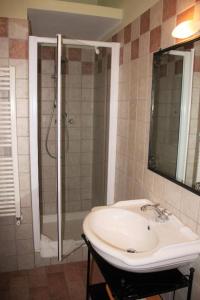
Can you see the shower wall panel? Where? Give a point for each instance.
(78, 92)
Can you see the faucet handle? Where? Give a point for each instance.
(166, 212)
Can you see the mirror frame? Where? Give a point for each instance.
(161, 51)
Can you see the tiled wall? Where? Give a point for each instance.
(139, 39)
(78, 91)
(16, 242)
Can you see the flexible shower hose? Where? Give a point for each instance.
(48, 132)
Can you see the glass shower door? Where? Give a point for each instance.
(69, 108)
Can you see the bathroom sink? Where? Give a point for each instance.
(132, 239)
(115, 227)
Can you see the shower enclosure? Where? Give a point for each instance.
(73, 120)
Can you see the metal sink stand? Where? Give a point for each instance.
(130, 286)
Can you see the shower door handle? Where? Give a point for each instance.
(59, 146)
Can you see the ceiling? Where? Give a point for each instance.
(71, 25)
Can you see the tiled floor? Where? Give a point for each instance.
(55, 282)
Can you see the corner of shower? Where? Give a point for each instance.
(83, 167)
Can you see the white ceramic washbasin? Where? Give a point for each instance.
(132, 240)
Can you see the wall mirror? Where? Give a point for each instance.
(174, 147)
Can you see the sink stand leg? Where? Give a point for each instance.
(190, 283)
(88, 276)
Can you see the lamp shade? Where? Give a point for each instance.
(186, 29)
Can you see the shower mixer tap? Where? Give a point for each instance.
(71, 121)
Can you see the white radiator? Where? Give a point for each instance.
(9, 176)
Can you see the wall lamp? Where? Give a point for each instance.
(186, 29)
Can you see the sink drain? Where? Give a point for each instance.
(131, 251)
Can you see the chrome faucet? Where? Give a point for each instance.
(163, 214)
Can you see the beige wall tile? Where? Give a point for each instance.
(21, 68)
(24, 231)
(25, 262)
(8, 247)
(8, 263)
(24, 246)
(27, 215)
(4, 48)
(18, 29)
(172, 194)
(24, 181)
(25, 197)
(22, 88)
(4, 62)
(166, 37)
(144, 44)
(190, 204)
(7, 232)
(22, 108)
(184, 4)
(156, 15)
(24, 163)
(22, 127)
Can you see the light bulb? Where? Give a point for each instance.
(186, 29)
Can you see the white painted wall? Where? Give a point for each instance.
(18, 9)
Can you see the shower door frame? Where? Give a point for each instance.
(34, 41)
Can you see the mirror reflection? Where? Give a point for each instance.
(174, 149)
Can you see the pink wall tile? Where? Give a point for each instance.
(87, 68)
(114, 38)
(155, 39)
(145, 22)
(169, 9)
(163, 70)
(127, 34)
(135, 49)
(178, 67)
(18, 49)
(47, 52)
(197, 64)
(3, 27)
(120, 36)
(74, 54)
(188, 14)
